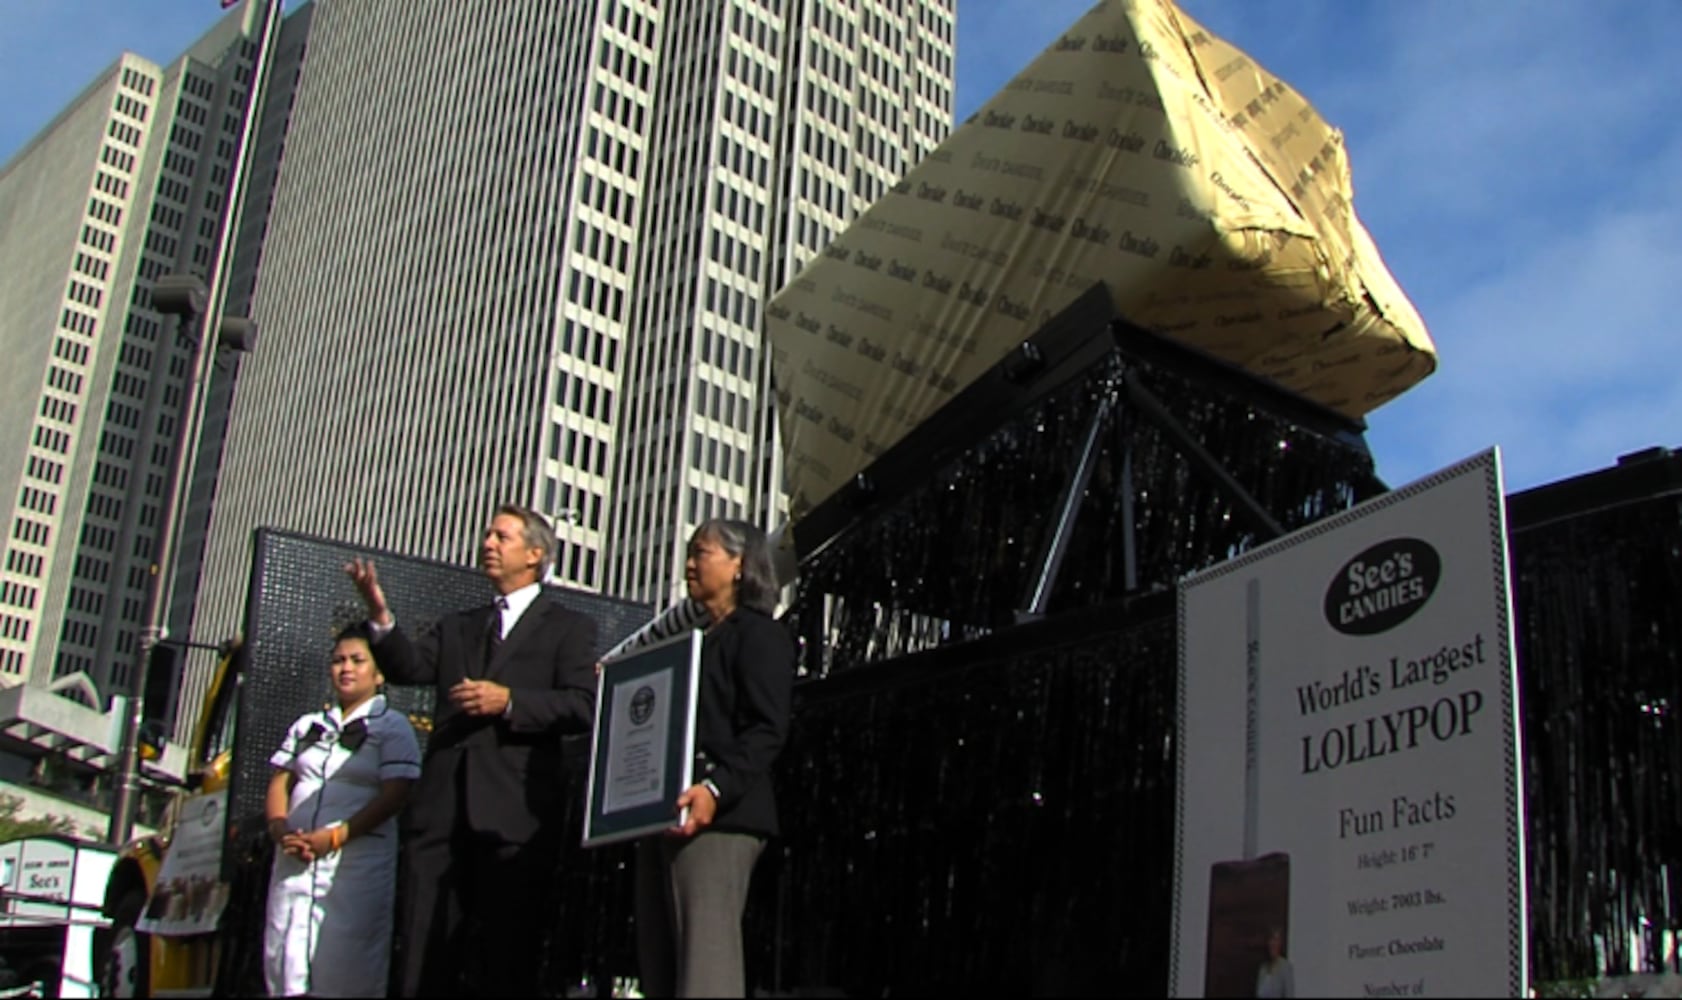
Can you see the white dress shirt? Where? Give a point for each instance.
(514, 605)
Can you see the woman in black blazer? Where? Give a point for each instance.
(692, 883)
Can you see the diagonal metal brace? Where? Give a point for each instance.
(1068, 507)
(1249, 508)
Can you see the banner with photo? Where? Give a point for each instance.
(1350, 809)
(189, 894)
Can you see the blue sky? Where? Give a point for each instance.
(1519, 165)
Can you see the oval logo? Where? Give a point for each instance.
(1383, 586)
(642, 705)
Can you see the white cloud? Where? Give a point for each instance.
(1566, 357)
(1523, 194)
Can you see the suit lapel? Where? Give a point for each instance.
(524, 629)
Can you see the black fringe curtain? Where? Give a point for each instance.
(996, 819)
(998, 814)
(1599, 612)
(955, 558)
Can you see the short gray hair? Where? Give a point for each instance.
(538, 534)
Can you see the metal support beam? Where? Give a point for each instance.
(1249, 509)
(1068, 508)
(1129, 517)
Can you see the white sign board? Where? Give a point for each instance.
(51, 880)
(1349, 810)
(54, 885)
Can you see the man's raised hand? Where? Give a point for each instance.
(362, 574)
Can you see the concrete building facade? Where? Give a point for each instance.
(536, 273)
(775, 125)
(128, 183)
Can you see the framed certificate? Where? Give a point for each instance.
(642, 751)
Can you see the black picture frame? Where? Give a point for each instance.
(646, 704)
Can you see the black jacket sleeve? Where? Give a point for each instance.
(406, 661)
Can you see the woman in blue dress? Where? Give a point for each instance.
(340, 777)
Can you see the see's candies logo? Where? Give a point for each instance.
(1383, 586)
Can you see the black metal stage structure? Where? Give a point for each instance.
(1000, 813)
(1095, 462)
(978, 790)
(1597, 581)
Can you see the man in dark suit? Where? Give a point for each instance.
(482, 833)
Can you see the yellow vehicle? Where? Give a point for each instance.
(128, 960)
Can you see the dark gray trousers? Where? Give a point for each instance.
(690, 898)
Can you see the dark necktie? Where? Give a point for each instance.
(493, 633)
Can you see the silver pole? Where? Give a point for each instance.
(161, 580)
(1075, 492)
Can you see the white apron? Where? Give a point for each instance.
(329, 922)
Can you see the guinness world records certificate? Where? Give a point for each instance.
(642, 749)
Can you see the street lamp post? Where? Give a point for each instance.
(186, 297)
(183, 296)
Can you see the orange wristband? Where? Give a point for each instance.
(339, 833)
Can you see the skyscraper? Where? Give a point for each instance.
(536, 273)
(774, 125)
(128, 183)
